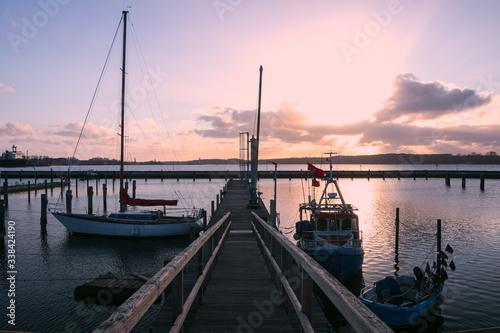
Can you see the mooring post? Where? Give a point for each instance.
(397, 232)
(76, 186)
(212, 209)
(69, 199)
(29, 191)
(51, 176)
(104, 193)
(217, 199)
(90, 192)
(2, 222)
(438, 257)
(45, 183)
(96, 186)
(204, 212)
(43, 215)
(6, 192)
(481, 184)
(447, 179)
(126, 187)
(134, 186)
(62, 187)
(463, 180)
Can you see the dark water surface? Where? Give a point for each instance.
(49, 266)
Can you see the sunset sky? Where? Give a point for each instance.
(358, 77)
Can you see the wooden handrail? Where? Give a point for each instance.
(129, 313)
(355, 312)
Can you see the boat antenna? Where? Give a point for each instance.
(329, 158)
(123, 206)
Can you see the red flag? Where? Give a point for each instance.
(315, 183)
(317, 172)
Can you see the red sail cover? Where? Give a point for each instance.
(127, 200)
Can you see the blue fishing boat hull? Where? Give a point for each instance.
(341, 263)
(402, 315)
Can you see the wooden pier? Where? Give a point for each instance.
(248, 278)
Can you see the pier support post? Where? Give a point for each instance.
(62, 187)
(6, 192)
(204, 212)
(104, 194)
(396, 245)
(217, 199)
(463, 180)
(481, 184)
(2, 222)
(76, 186)
(69, 200)
(447, 179)
(43, 216)
(134, 186)
(307, 293)
(212, 209)
(90, 193)
(29, 191)
(177, 295)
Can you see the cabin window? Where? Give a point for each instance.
(322, 224)
(346, 224)
(333, 224)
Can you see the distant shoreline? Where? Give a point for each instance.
(492, 158)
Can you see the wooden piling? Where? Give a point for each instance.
(463, 180)
(217, 200)
(76, 186)
(97, 186)
(396, 245)
(43, 215)
(447, 179)
(212, 208)
(2, 222)
(204, 219)
(104, 194)
(481, 184)
(46, 186)
(69, 199)
(62, 187)
(134, 186)
(90, 193)
(6, 192)
(29, 191)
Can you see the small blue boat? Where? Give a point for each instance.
(328, 230)
(402, 300)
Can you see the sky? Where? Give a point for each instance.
(357, 77)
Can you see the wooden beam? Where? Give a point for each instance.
(129, 313)
(355, 312)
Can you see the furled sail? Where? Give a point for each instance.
(127, 200)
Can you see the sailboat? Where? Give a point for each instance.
(331, 235)
(150, 223)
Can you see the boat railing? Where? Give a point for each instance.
(129, 313)
(289, 264)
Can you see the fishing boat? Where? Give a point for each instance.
(402, 300)
(150, 223)
(328, 230)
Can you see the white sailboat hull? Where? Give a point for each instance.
(99, 225)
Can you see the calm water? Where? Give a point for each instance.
(51, 265)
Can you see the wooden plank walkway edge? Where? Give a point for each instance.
(129, 313)
(357, 314)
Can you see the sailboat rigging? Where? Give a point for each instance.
(152, 223)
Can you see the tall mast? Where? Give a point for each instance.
(123, 207)
(254, 142)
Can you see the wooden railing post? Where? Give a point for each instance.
(177, 295)
(307, 293)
